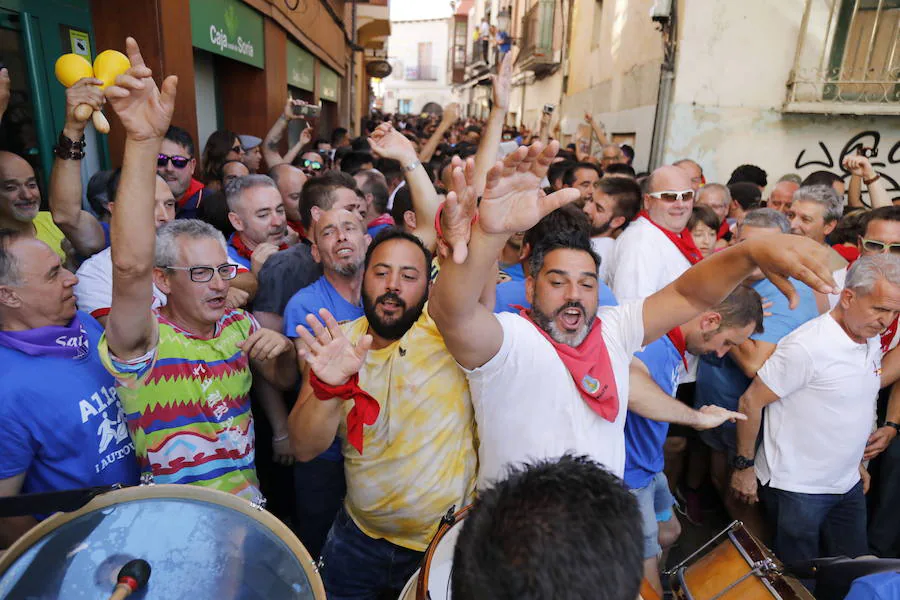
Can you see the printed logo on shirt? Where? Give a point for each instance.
(112, 430)
(80, 342)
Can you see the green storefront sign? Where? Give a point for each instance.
(229, 28)
(328, 84)
(300, 67)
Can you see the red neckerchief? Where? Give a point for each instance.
(384, 219)
(242, 248)
(365, 408)
(850, 253)
(683, 241)
(590, 368)
(888, 335)
(193, 188)
(676, 336)
(723, 230)
(298, 227)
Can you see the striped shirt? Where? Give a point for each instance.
(187, 405)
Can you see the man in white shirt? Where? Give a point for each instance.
(613, 205)
(551, 380)
(819, 390)
(657, 247)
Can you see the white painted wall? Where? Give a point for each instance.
(732, 68)
(404, 52)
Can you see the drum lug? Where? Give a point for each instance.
(450, 517)
(258, 502)
(318, 564)
(147, 479)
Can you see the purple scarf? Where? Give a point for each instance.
(64, 342)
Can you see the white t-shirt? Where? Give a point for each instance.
(643, 262)
(603, 246)
(94, 288)
(815, 433)
(527, 405)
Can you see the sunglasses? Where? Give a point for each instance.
(238, 149)
(671, 196)
(204, 274)
(179, 162)
(312, 164)
(879, 247)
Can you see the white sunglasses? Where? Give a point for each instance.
(672, 196)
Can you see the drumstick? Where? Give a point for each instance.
(132, 577)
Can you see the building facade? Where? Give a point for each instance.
(237, 61)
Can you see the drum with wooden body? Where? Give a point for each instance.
(734, 566)
(200, 543)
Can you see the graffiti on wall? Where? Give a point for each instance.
(886, 158)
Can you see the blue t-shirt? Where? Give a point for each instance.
(644, 437)
(61, 422)
(373, 231)
(512, 293)
(234, 256)
(878, 586)
(317, 295)
(720, 381)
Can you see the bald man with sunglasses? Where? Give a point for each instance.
(657, 247)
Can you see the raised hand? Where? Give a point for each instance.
(711, 416)
(459, 209)
(265, 344)
(289, 108)
(260, 255)
(328, 352)
(450, 114)
(783, 255)
(503, 80)
(387, 142)
(4, 91)
(858, 165)
(144, 110)
(84, 91)
(513, 200)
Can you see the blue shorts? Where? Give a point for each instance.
(655, 502)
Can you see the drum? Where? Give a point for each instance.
(200, 544)
(432, 580)
(734, 566)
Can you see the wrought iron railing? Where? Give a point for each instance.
(847, 58)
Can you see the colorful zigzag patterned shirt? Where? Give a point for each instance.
(187, 405)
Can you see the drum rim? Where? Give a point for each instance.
(425, 569)
(174, 491)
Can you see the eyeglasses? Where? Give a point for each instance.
(671, 196)
(312, 164)
(204, 274)
(879, 247)
(179, 162)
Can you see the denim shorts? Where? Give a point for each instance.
(655, 502)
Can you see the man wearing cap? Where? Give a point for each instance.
(252, 152)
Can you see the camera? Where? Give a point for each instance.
(307, 111)
(549, 108)
(867, 152)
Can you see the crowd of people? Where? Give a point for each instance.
(445, 311)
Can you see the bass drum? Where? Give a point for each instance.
(200, 543)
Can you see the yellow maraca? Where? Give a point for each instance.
(108, 65)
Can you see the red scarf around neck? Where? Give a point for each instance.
(683, 241)
(298, 227)
(888, 335)
(194, 187)
(676, 336)
(724, 229)
(242, 248)
(590, 368)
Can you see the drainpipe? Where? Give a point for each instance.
(352, 112)
(664, 97)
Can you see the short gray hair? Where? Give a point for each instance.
(9, 264)
(234, 191)
(868, 270)
(767, 218)
(167, 249)
(714, 187)
(823, 195)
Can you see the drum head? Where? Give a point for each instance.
(200, 544)
(437, 566)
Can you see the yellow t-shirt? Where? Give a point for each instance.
(47, 231)
(419, 458)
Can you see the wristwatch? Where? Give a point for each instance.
(741, 462)
(412, 166)
(894, 425)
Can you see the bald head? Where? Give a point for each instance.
(780, 198)
(20, 197)
(669, 178)
(290, 181)
(667, 213)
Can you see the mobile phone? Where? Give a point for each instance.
(867, 152)
(308, 111)
(549, 108)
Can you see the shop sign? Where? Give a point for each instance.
(328, 83)
(229, 28)
(300, 67)
(378, 68)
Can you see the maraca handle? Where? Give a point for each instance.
(83, 112)
(100, 122)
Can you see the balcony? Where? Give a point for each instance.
(538, 50)
(847, 59)
(422, 73)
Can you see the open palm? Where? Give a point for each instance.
(460, 208)
(328, 352)
(144, 110)
(513, 200)
(387, 142)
